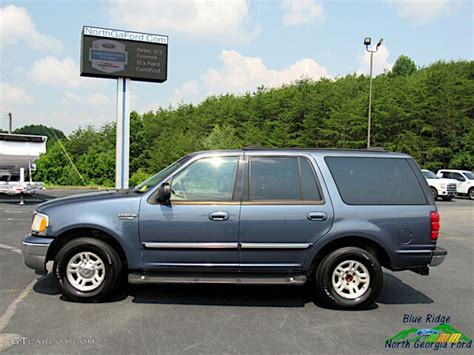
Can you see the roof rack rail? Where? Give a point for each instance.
(371, 149)
(377, 149)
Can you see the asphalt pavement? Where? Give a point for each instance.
(228, 318)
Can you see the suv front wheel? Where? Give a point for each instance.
(349, 277)
(87, 269)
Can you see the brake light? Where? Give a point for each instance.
(434, 219)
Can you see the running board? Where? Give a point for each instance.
(136, 278)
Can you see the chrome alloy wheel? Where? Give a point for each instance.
(85, 271)
(350, 279)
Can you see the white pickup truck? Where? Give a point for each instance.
(464, 179)
(440, 187)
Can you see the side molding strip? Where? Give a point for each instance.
(196, 264)
(415, 251)
(225, 264)
(275, 245)
(184, 245)
(174, 245)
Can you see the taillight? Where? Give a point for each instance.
(434, 219)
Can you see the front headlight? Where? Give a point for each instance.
(40, 224)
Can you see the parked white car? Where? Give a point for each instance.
(464, 178)
(440, 187)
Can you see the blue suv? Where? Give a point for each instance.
(251, 216)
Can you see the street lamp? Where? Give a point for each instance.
(367, 41)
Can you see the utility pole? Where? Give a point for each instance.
(367, 41)
(10, 123)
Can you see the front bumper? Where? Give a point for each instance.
(447, 193)
(437, 256)
(34, 251)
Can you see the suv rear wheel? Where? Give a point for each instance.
(87, 269)
(349, 277)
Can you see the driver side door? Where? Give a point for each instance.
(198, 228)
(463, 185)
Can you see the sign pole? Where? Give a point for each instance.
(122, 145)
(124, 56)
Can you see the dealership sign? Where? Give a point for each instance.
(124, 56)
(110, 53)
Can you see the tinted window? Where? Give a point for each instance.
(458, 177)
(308, 181)
(274, 178)
(207, 179)
(376, 181)
(282, 178)
(429, 174)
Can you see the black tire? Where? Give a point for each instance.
(449, 198)
(325, 269)
(112, 267)
(434, 192)
(470, 193)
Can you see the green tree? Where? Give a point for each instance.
(53, 134)
(403, 66)
(427, 113)
(222, 137)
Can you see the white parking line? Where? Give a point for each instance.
(5, 318)
(17, 211)
(10, 312)
(7, 340)
(7, 247)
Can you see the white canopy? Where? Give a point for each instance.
(18, 150)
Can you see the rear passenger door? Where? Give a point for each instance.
(283, 212)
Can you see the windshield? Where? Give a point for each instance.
(469, 175)
(155, 179)
(429, 174)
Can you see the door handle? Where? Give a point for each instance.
(219, 216)
(317, 216)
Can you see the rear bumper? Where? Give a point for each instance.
(34, 251)
(437, 256)
(419, 258)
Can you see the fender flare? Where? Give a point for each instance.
(328, 240)
(89, 226)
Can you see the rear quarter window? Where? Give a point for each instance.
(376, 181)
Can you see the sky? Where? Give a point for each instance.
(215, 47)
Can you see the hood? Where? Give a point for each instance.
(448, 181)
(88, 196)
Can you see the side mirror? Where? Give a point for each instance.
(461, 178)
(164, 192)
